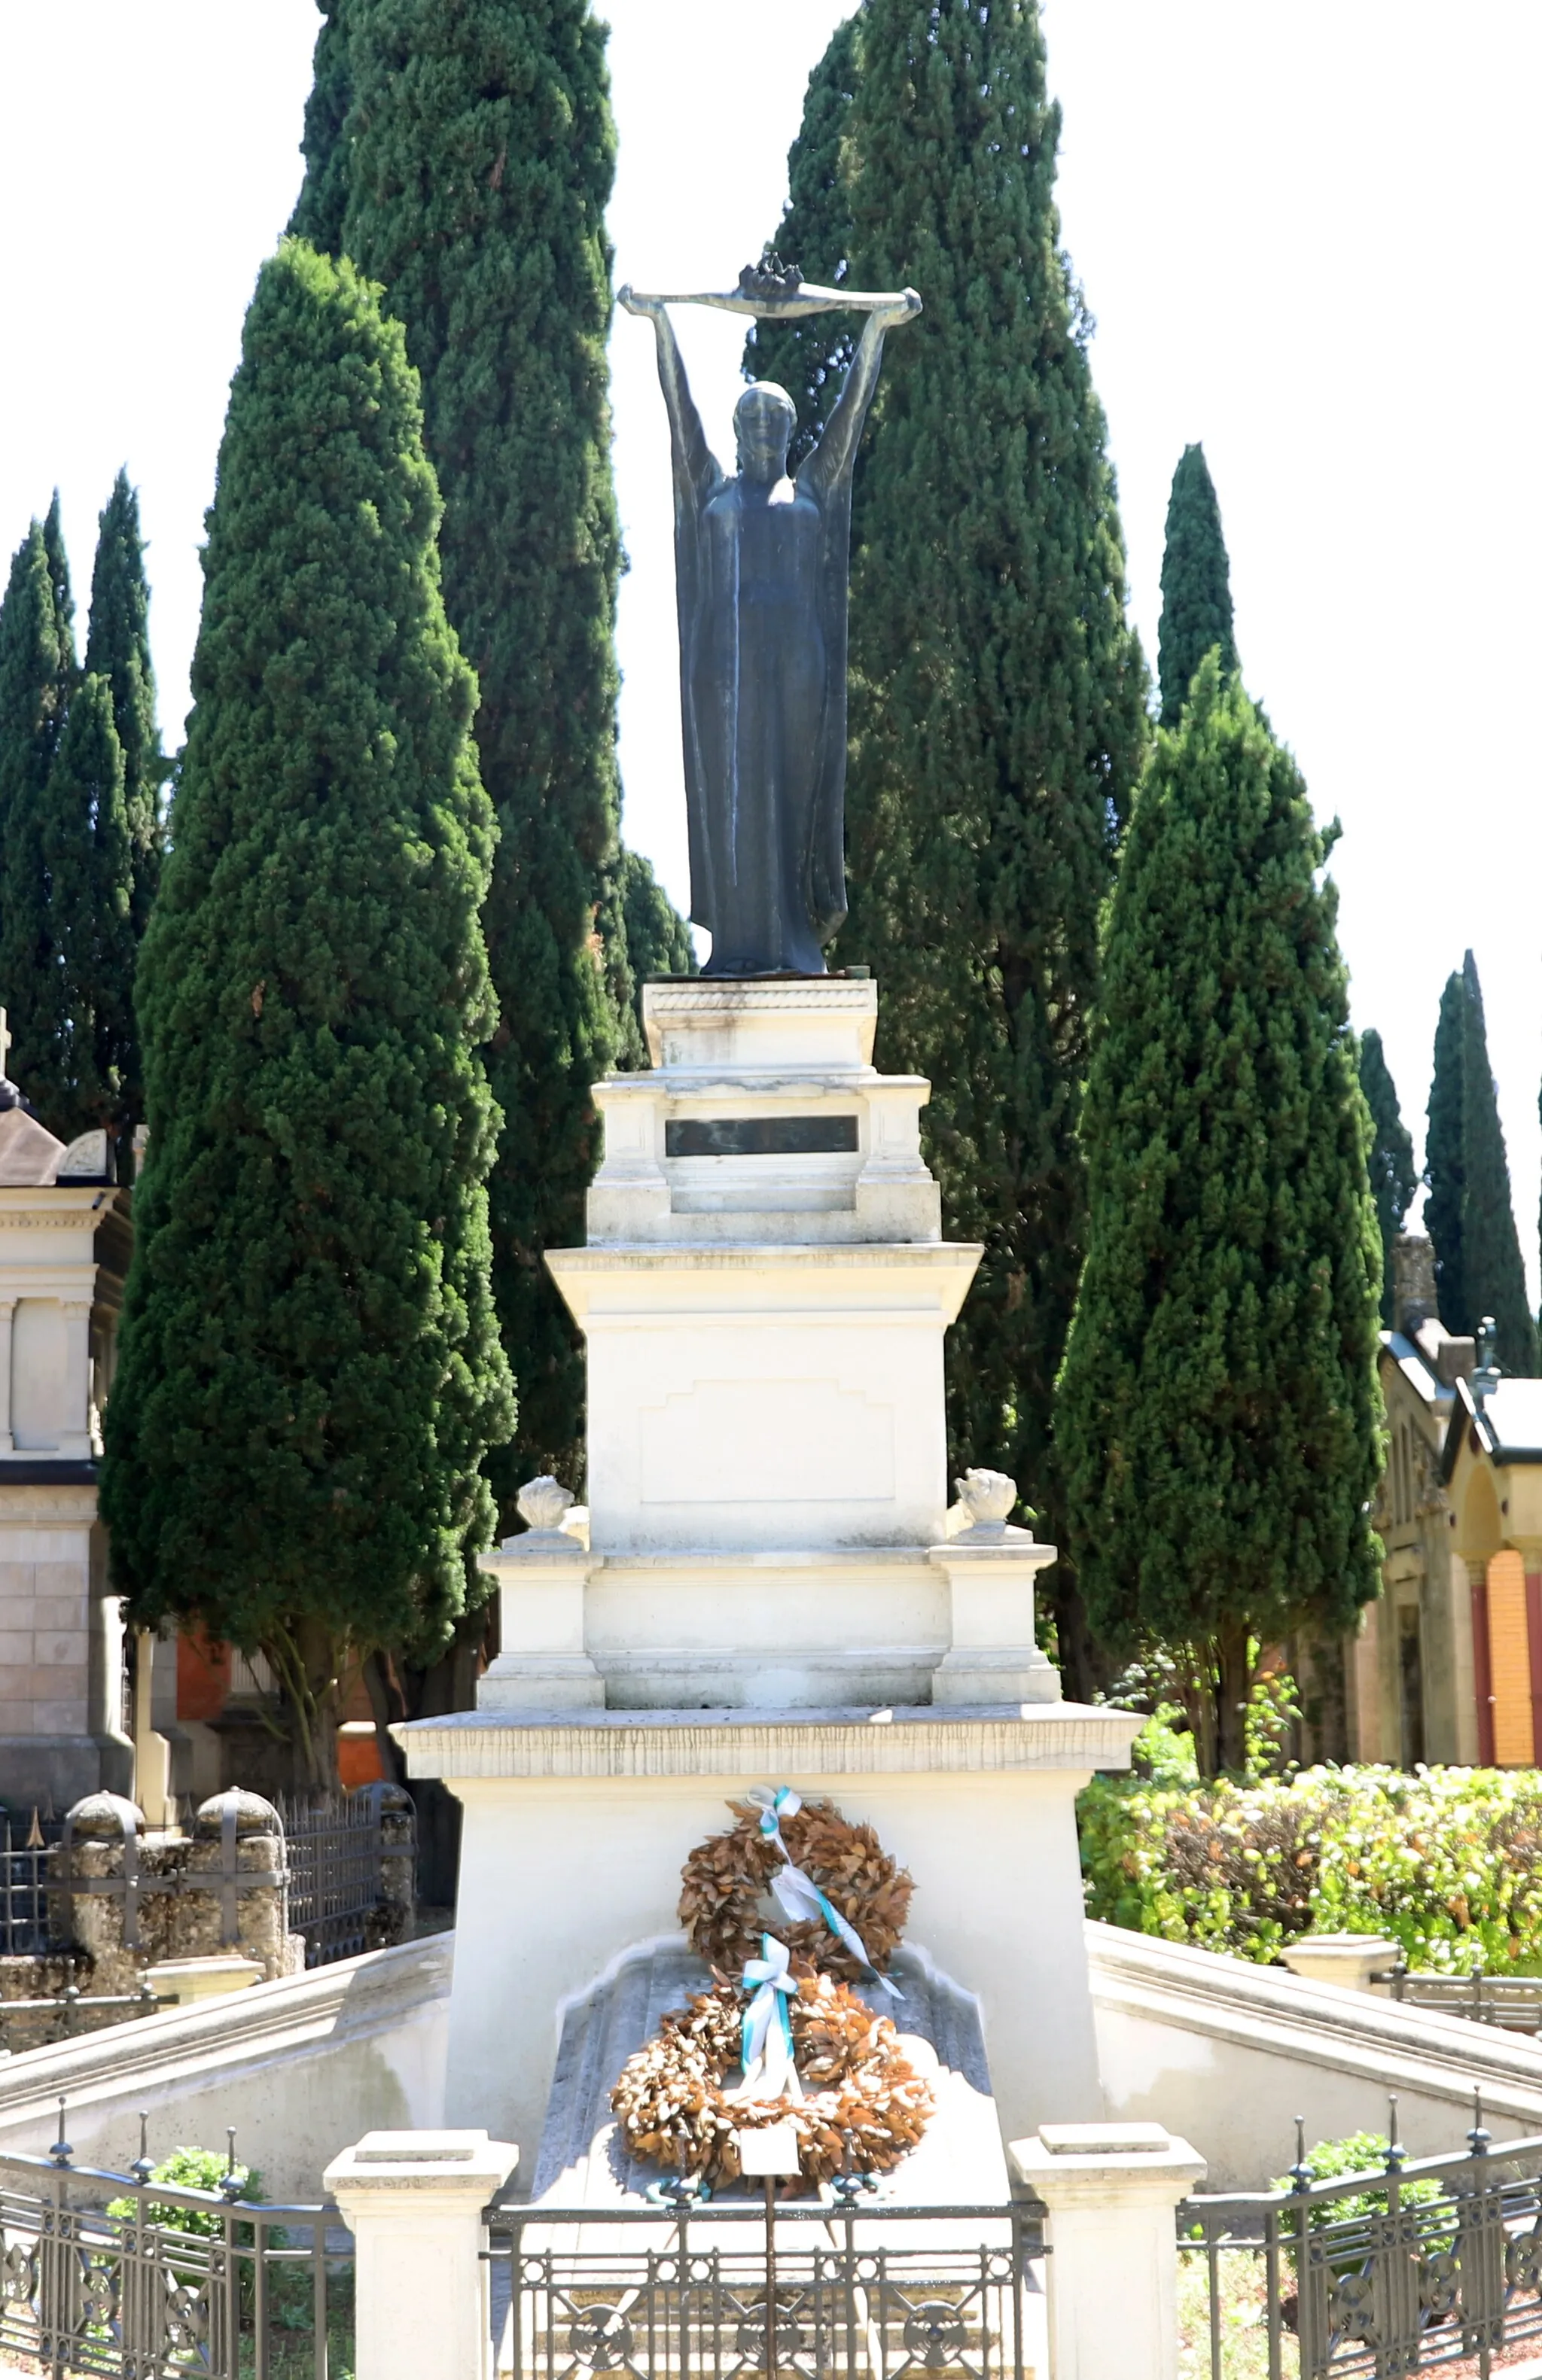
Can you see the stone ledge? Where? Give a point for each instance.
(739, 1256)
(993, 1740)
(350, 2000)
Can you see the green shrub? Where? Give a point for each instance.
(1446, 1861)
(1358, 2153)
(192, 2169)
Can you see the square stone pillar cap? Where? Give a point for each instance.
(1106, 2165)
(191, 1979)
(552, 1551)
(447, 2164)
(1349, 1960)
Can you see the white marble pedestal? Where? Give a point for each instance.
(772, 1589)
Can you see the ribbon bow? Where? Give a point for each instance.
(765, 2048)
(797, 1896)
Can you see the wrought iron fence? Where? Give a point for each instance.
(24, 1877)
(124, 2278)
(1512, 2001)
(1421, 2263)
(338, 1851)
(716, 2293)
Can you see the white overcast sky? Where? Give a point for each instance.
(1308, 234)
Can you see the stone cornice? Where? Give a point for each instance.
(995, 1740)
(741, 1256)
(700, 995)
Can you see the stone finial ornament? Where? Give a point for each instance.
(987, 1497)
(543, 1504)
(103, 1818)
(253, 1814)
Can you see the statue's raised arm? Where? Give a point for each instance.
(837, 451)
(761, 567)
(687, 436)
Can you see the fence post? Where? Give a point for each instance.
(414, 2203)
(1112, 2270)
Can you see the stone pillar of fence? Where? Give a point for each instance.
(236, 1886)
(1112, 2276)
(394, 1814)
(131, 1900)
(414, 2203)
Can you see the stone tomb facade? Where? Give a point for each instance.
(770, 1589)
(65, 1239)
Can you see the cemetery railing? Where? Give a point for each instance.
(1512, 2001)
(24, 1885)
(123, 2278)
(834, 2292)
(1420, 2262)
(349, 1856)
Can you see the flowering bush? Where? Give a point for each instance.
(1446, 1861)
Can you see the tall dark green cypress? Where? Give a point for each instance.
(1391, 1161)
(1445, 1168)
(117, 647)
(37, 677)
(998, 692)
(1196, 585)
(476, 148)
(309, 1370)
(82, 1074)
(1219, 1411)
(808, 358)
(323, 196)
(1494, 1274)
(644, 934)
(33, 688)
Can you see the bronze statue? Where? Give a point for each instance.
(760, 568)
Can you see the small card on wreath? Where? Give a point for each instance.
(769, 2153)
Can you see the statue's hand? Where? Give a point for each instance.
(908, 307)
(627, 296)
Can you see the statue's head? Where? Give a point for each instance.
(763, 421)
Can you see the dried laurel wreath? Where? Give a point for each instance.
(727, 1878)
(672, 2103)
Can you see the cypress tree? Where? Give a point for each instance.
(117, 647)
(1494, 1275)
(323, 200)
(32, 686)
(79, 1078)
(1219, 1410)
(1444, 1168)
(37, 676)
(644, 935)
(808, 358)
(997, 693)
(1390, 1162)
(476, 149)
(1196, 585)
(310, 1371)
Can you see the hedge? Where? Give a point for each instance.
(1446, 1861)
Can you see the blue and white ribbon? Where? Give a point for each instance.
(765, 2048)
(797, 1896)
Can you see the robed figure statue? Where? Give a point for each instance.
(762, 563)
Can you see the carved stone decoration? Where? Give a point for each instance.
(987, 1497)
(544, 1505)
